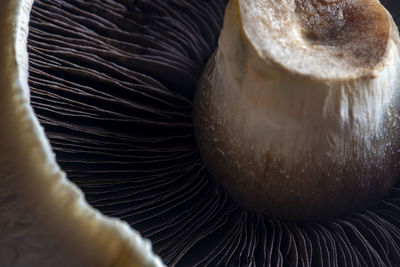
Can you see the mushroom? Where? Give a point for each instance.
(297, 116)
(96, 66)
(44, 218)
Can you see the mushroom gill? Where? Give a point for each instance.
(111, 82)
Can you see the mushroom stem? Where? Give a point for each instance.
(297, 112)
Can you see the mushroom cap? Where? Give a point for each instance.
(45, 220)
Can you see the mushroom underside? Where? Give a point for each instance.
(112, 81)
